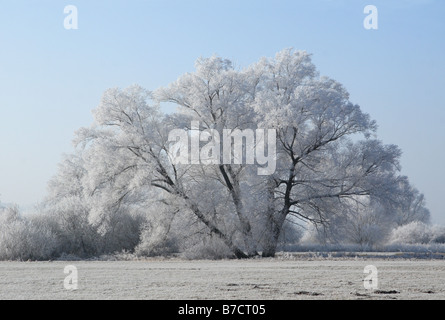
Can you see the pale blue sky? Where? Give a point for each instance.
(51, 78)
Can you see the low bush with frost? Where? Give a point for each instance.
(417, 233)
(21, 239)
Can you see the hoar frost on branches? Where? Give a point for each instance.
(328, 161)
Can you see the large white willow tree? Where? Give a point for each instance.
(326, 158)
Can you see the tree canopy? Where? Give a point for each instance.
(329, 166)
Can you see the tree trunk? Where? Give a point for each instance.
(246, 228)
(275, 224)
(235, 193)
(239, 254)
(276, 221)
(272, 232)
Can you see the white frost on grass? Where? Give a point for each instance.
(259, 279)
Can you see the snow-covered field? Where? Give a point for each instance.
(280, 278)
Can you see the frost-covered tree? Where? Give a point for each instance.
(219, 98)
(83, 224)
(371, 220)
(323, 164)
(126, 154)
(407, 204)
(68, 208)
(328, 160)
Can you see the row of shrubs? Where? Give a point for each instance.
(46, 237)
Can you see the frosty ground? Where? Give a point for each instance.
(285, 277)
